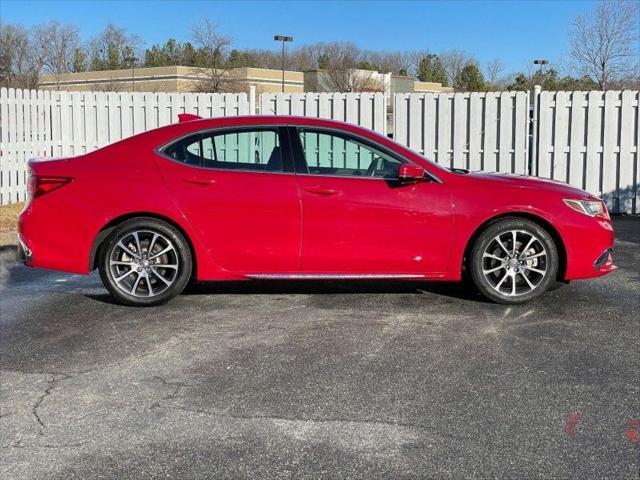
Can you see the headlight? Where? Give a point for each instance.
(588, 207)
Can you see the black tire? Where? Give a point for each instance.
(165, 275)
(517, 276)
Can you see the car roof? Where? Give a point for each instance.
(196, 124)
(274, 119)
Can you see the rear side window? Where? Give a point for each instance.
(186, 150)
(256, 150)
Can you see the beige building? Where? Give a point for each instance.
(174, 79)
(190, 79)
(367, 80)
(424, 87)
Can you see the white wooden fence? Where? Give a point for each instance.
(51, 123)
(588, 139)
(368, 110)
(476, 131)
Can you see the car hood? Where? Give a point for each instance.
(533, 183)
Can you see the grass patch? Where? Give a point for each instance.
(9, 217)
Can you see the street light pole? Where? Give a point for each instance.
(283, 39)
(541, 62)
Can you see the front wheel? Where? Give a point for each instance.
(513, 261)
(145, 262)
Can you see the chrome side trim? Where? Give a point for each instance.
(332, 276)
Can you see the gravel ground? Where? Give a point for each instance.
(339, 380)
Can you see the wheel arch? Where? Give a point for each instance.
(542, 222)
(106, 230)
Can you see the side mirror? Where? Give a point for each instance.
(410, 172)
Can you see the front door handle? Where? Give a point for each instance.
(318, 190)
(200, 181)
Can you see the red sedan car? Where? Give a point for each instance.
(274, 197)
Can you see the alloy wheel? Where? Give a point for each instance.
(515, 263)
(144, 263)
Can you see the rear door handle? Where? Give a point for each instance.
(318, 190)
(200, 181)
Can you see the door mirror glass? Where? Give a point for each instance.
(410, 172)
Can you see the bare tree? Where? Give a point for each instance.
(604, 42)
(494, 69)
(109, 50)
(454, 61)
(398, 63)
(18, 67)
(213, 48)
(307, 57)
(340, 61)
(54, 45)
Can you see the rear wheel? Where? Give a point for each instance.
(513, 261)
(145, 262)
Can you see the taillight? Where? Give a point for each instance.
(39, 184)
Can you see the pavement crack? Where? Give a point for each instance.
(177, 386)
(53, 383)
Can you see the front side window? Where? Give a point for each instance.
(258, 150)
(341, 155)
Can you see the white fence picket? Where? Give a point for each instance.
(365, 109)
(490, 128)
(576, 155)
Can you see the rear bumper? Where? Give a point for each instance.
(50, 237)
(25, 254)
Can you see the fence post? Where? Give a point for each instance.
(385, 109)
(533, 139)
(252, 99)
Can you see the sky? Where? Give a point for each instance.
(516, 32)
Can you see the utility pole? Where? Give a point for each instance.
(283, 39)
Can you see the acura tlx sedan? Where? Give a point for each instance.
(273, 197)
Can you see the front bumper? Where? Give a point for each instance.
(589, 245)
(604, 263)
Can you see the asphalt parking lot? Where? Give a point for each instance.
(321, 381)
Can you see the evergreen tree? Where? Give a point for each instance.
(470, 79)
(79, 61)
(431, 69)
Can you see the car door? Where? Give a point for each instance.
(359, 218)
(237, 189)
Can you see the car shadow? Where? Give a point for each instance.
(346, 287)
(459, 291)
